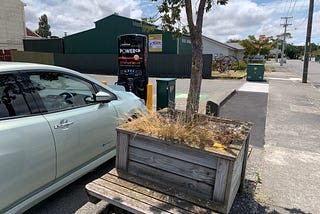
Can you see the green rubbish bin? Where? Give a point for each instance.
(166, 92)
(255, 72)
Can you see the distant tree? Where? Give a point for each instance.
(234, 41)
(249, 47)
(44, 27)
(254, 46)
(294, 52)
(280, 40)
(313, 47)
(288, 36)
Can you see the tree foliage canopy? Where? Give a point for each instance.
(296, 52)
(44, 27)
(258, 46)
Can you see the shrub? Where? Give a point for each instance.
(242, 65)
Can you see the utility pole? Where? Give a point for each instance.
(284, 36)
(307, 48)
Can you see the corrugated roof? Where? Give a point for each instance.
(227, 45)
(31, 33)
(236, 46)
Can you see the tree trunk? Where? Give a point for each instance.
(197, 61)
(196, 77)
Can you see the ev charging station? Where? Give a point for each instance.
(132, 61)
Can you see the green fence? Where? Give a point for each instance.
(34, 57)
(160, 65)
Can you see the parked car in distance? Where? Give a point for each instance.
(257, 59)
(284, 60)
(55, 126)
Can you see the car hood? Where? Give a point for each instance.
(117, 87)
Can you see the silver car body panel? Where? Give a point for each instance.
(41, 154)
(21, 162)
(85, 126)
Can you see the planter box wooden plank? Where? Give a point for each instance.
(122, 151)
(237, 171)
(208, 175)
(179, 152)
(181, 183)
(221, 180)
(172, 165)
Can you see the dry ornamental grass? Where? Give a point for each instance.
(202, 132)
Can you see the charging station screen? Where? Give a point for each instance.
(132, 55)
(132, 60)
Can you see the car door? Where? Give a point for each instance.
(27, 152)
(82, 129)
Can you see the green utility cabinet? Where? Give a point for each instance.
(255, 72)
(166, 92)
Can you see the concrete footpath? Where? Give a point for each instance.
(290, 161)
(283, 176)
(283, 171)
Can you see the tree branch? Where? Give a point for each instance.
(190, 16)
(200, 13)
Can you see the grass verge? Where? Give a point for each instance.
(230, 74)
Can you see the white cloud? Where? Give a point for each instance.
(236, 20)
(241, 17)
(74, 16)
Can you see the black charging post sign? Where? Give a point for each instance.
(132, 60)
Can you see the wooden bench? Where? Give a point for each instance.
(136, 195)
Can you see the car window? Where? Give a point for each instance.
(12, 97)
(61, 91)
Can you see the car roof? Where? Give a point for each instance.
(15, 66)
(24, 66)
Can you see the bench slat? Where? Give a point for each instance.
(167, 199)
(177, 198)
(141, 197)
(119, 200)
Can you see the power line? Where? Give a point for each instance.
(294, 5)
(285, 5)
(305, 16)
(289, 7)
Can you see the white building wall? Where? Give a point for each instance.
(236, 53)
(213, 48)
(12, 24)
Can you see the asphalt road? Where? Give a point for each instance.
(72, 197)
(313, 72)
(251, 107)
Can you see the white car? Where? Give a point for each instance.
(55, 125)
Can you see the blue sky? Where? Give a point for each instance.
(236, 20)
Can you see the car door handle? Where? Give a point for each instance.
(64, 124)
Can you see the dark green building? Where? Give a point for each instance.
(95, 50)
(103, 38)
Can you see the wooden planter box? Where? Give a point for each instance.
(214, 177)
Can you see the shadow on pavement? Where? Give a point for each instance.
(251, 107)
(251, 201)
(72, 197)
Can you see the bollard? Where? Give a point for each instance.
(149, 96)
(104, 82)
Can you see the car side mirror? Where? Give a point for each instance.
(103, 97)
